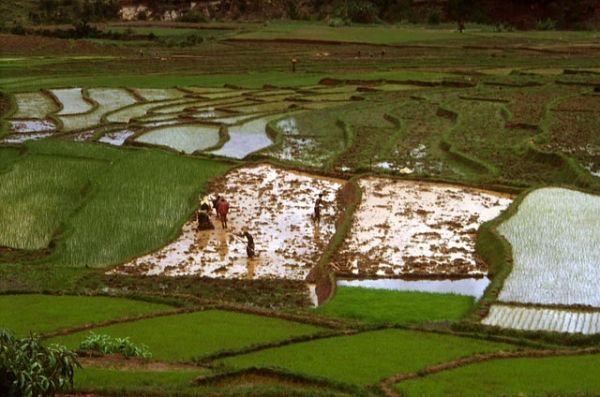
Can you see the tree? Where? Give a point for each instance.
(29, 369)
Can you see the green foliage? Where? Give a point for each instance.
(398, 307)
(546, 24)
(29, 369)
(106, 344)
(39, 193)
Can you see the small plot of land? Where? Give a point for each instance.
(37, 194)
(399, 307)
(275, 206)
(183, 138)
(102, 381)
(44, 313)
(417, 228)
(512, 377)
(367, 357)
(555, 249)
(535, 319)
(141, 197)
(188, 336)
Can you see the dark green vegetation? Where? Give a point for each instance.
(529, 376)
(395, 307)
(493, 109)
(27, 368)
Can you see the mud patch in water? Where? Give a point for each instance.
(417, 228)
(31, 125)
(116, 138)
(275, 205)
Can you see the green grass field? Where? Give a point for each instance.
(40, 193)
(136, 204)
(164, 383)
(553, 376)
(367, 357)
(188, 336)
(44, 313)
(396, 307)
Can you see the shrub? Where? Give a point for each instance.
(29, 369)
(106, 344)
(434, 17)
(362, 11)
(193, 16)
(546, 24)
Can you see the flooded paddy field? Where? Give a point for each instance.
(474, 287)
(547, 319)
(416, 228)
(275, 206)
(555, 256)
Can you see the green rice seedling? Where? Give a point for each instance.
(367, 357)
(536, 319)
(556, 249)
(139, 204)
(193, 335)
(549, 376)
(38, 195)
(396, 307)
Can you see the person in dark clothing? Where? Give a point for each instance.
(249, 244)
(318, 205)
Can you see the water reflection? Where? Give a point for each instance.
(468, 286)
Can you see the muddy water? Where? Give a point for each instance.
(116, 138)
(31, 125)
(417, 228)
(275, 206)
(469, 286)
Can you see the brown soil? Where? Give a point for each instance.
(33, 45)
(121, 363)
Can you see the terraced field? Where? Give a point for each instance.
(456, 179)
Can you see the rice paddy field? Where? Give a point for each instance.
(455, 177)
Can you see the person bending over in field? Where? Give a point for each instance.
(318, 205)
(249, 244)
(222, 211)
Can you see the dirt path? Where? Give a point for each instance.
(386, 384)
(121, 363)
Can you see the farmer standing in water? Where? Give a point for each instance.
(249, 245)
(222, 210)
(318, 204)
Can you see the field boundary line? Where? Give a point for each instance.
(122, 320)
(385, 384)
(299, 318)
